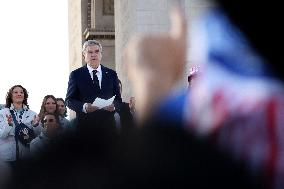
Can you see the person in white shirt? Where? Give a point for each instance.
(14, 117)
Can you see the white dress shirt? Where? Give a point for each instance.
(99, 73)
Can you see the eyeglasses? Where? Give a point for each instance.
(48, 121)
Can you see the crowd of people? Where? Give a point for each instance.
(27, 136)
(223, 131)
(24, 133)
(23, 130)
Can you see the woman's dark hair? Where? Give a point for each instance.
(42, 108)
(65, 112)
(9, 100)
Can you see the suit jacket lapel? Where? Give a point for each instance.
(105, 78)
(87, 76)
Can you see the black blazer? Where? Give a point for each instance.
(82, 90)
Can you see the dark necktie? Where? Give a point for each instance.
(95, 79)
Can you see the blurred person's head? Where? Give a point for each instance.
(155, 62)
(92, 53)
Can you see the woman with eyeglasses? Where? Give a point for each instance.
(62, 110)
(17, 125)
(49, 132)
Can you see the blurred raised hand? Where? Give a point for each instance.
(155, 62)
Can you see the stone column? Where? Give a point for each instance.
(75, 34)
(75, 13)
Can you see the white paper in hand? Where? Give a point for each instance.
(101, 103)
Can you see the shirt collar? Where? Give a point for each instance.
(99, 68)
(24, 107)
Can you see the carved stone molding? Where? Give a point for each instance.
(91, 33)
(108, 7)
(89, 13)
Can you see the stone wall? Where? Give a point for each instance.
(75, 14)
(125, 26)
(75, 34)
(104, 15)
(108, 59)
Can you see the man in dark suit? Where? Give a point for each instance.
(89, 82)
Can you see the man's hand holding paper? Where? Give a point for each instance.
(90, 108)
(109, 108)
(105, 104)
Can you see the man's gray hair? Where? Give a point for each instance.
(92, 42)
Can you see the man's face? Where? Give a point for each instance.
(92, 56)
(50, 125)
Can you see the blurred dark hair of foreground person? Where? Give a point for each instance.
(149, 157)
